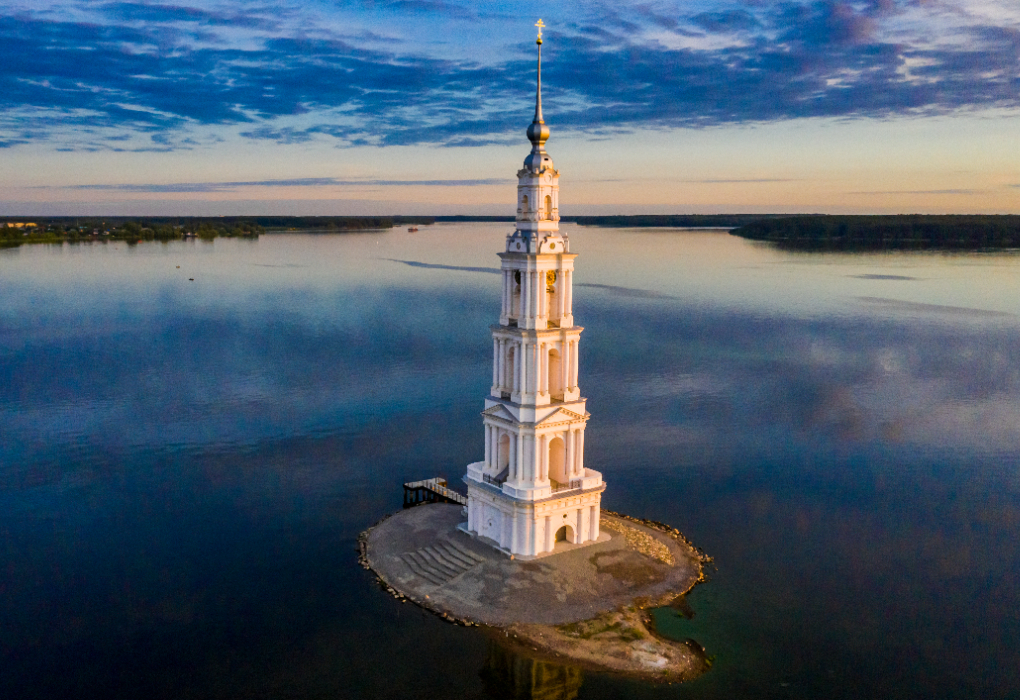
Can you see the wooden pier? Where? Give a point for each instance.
(430, 491)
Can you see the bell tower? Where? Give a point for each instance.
(532, 490)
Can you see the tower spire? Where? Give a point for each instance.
(538, 93)
(538, 132)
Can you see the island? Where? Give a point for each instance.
(587, 606)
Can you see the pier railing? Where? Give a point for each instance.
(431, 491)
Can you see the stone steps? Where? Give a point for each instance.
(441, 562)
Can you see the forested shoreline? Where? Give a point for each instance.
(796, 232)
(887, 232)
(16, 231)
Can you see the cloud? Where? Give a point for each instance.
(80, 76)
(293, 182)
(744, 180)
(950, 191)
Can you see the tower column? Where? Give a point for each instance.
(573, 366)
(543, 363)
(518, 454)
(524, 369)
(580, 451)
(568, 439)
(501, 366)
(569, 289)
(561, 297)
(525, 298)
(536, 308)
(488, 445)
(539, 442)
(495, 362)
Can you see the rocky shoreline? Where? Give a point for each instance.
(619, 638)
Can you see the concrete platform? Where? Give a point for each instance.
(421, 553)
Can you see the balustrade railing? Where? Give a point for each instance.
(494, 480)
(568, 486)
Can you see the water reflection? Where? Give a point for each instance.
(510, 675)
(184, 466)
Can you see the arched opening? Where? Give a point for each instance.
(511, 368)
(550, 292)
(565, 534)
(558, 462)
(548, 206)
(524, 204)
(555, 376)
(503, 454)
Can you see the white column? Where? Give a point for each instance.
(580, 451)
(507, 292)
(515, 450)
(524, 299)
(548, 534)
(537, 379)
(519, 361)
(545, 367)
(573, 365)
(565, 365)
(593, 526)
(569, 289)
(568, 442)
(495, 361)
(561, 295)
(514, 536)
(543, 451)
(524, 368)
(501, 369)
(488, 445)
(538, 296)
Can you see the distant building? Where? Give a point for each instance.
(532, 490)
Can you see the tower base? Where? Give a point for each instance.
(530, 529)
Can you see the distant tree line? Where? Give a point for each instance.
(339, 223)
(59, 230)
(894, 232)
(671, 220)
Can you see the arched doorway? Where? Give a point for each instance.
(555, 376)
(558, 461)
(564, 534)
(548, 207)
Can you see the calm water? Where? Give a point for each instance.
(185, 465)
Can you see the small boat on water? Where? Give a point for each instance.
(413, 229)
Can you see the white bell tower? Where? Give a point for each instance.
(532, 490)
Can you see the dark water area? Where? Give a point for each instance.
(185, 465)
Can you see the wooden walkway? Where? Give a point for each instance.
(430, 491)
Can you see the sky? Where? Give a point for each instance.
(323, 107)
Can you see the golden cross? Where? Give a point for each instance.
(539, 24)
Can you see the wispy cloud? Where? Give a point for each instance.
(950, 191)
(82, 75)
(743, 181)
(294, 182)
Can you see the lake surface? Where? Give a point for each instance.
(185, 465)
